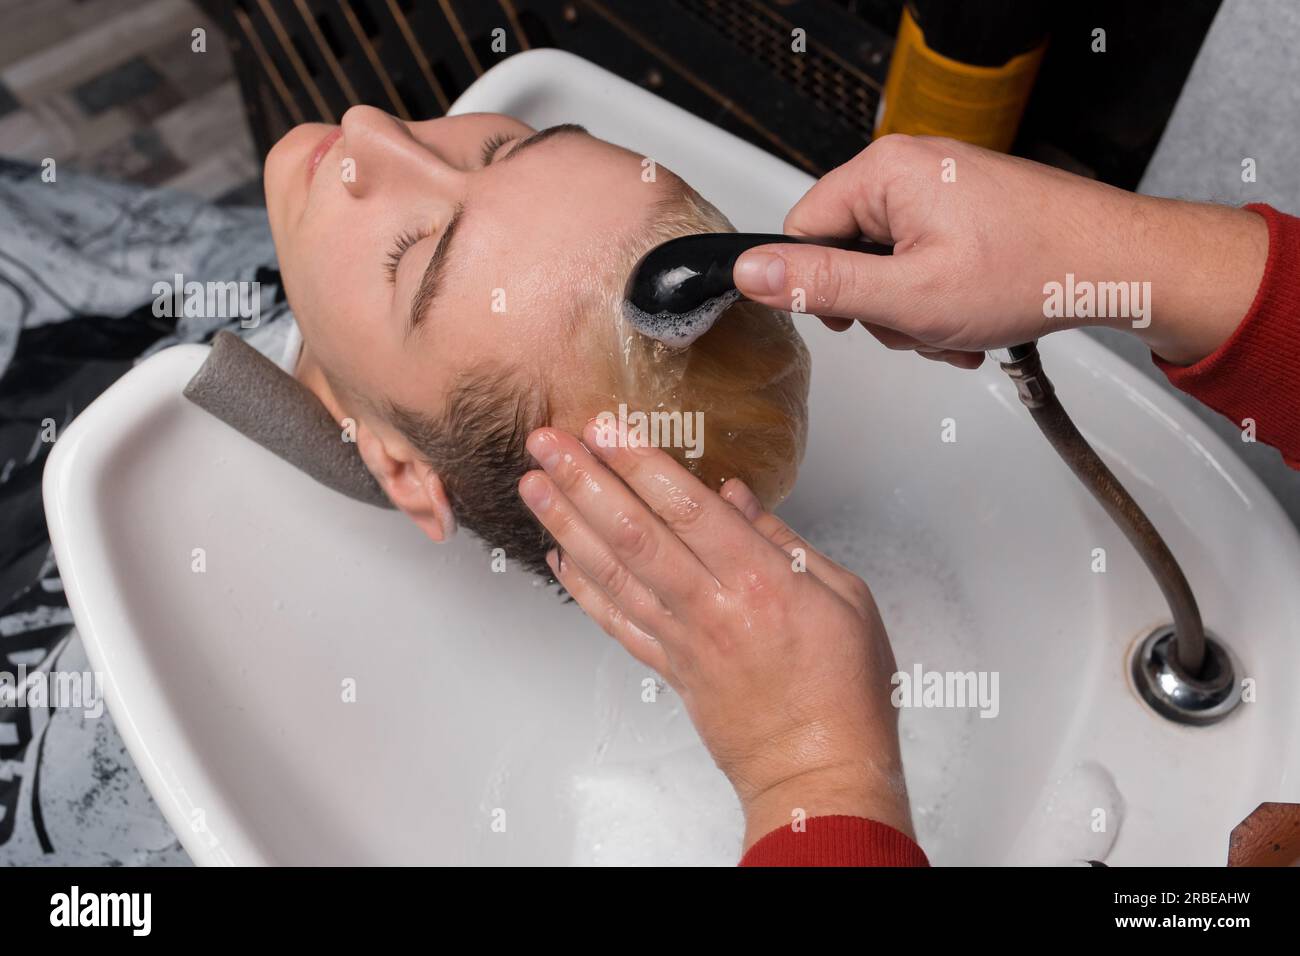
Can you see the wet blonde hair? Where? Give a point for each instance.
(748, 376)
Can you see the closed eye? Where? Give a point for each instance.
(407, 239)
(394, 257)
(492, 144)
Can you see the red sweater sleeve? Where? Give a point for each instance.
(1256, 373)
(836, 841)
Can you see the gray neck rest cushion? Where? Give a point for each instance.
(254, 396)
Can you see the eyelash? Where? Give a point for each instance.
(394, 257)
(492, 144)
(408, 239)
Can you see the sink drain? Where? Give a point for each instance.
(1171, 693)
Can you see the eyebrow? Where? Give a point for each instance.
(541, 136)
(430, 281)
(427, 290)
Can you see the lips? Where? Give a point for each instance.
(319, 152)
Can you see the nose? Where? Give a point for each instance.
(385, 156)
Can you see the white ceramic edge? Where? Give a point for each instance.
(539, 69)
(98, 611)
(1219, 453)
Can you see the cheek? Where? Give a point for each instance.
(329, 267)
(333, 306)
(276, 184)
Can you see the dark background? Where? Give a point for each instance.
(728, 61)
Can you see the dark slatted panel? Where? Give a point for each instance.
(729, 61)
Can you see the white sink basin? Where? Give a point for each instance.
(478, 693)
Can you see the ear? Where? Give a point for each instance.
(410, 483)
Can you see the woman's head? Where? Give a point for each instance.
(457, 283)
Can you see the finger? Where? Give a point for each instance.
(608, 615)
(892, 339)
(825, 281)
(954, 357)
(848, 201)
(720, 538)
(966, 360)
(836, 325)
(840, 580)
(614, 532)
(900, 342)
(583, 545)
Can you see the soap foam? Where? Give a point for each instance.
(1078, 820)
(678, 810)
(679, 329)
(929, 622)
(651, 794)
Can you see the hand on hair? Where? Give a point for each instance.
(978, 235)
(778, 653)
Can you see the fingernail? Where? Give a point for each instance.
(543, 446)
(738, 493)
(536, 492)
(601, 437)
(553, 562)
(759, 273)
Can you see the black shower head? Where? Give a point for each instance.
(679, 288)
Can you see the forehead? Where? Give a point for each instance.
(547, 232)
(539, 259)
(568, 200)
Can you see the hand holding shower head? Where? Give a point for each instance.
(678, 289)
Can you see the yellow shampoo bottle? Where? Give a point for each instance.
(963, 68)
